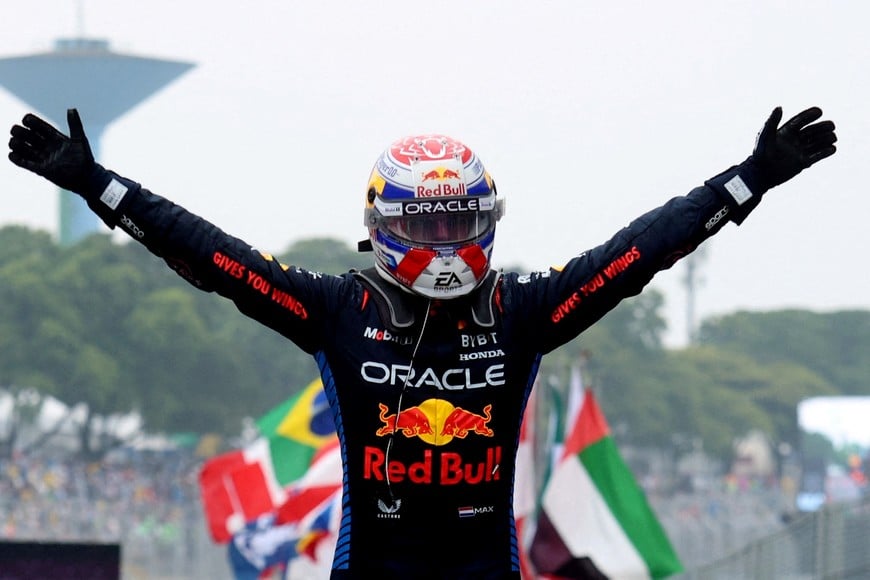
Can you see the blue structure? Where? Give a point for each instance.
(103, 85)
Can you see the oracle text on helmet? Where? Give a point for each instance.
(452, 205)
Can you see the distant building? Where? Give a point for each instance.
(103, 85)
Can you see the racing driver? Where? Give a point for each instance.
(427, 358)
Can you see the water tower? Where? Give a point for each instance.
(103, 85)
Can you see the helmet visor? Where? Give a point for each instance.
(442, 228)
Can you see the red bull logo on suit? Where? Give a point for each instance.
(436, 422)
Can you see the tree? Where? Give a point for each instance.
(833, 345)
(326, 255)
(107, 325)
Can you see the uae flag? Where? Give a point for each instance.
(595, 521)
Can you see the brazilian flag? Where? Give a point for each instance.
(295, 430)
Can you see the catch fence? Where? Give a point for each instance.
(832, 543)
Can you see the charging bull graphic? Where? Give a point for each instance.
(460, 422)
(439, 173)
(435, 421)
(409, 422)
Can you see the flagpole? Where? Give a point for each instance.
(594, 517)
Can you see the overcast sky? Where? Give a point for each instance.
(587, 114)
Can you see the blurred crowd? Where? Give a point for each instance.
(73, 500)
(149, 503)
(146, 502)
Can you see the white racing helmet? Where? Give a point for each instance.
(431, 210)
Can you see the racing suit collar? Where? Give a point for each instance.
(400, 309)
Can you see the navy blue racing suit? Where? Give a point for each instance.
(427, 395)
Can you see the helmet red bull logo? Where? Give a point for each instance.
(439, 173)
(443, 181)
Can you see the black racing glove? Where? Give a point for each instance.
(65, 161)
(781, 153)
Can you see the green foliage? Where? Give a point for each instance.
(834, 345)
(745, 374)
(326, 255)
(109, 325)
